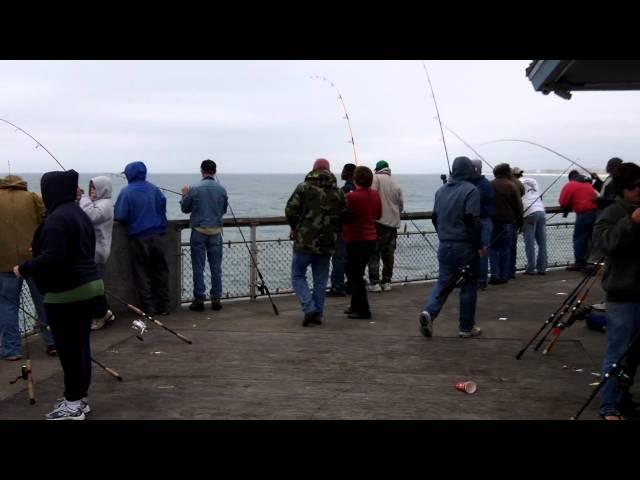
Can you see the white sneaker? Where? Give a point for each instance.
(374, 288)
(84, 404)
(99, 323)
(63, 411)
(426, 324)
(475, 332)
(386, 287)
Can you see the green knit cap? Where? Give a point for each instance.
(381, 164)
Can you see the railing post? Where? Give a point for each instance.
(253, 273)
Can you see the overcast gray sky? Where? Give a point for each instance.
(270, 116)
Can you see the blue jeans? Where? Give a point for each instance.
(10, 340)
(623, 324)
(582, 236)
(487, 228)
(339, 266)
(535, 231)
(209, 246)
(513, 253)
(311, 302)
(452, 257)
(500, 252)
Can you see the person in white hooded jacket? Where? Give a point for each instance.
(99, 208)
(534, 227)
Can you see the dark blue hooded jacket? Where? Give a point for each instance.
(141, 205)
(487, 196)
(64, 245)
(456, 211)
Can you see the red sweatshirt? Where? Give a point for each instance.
(366, 207)
(579, 197)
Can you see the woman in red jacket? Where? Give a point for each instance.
(359, 233)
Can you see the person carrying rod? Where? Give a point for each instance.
(207, 203)
(456, 218)
(64, 269)
(617, 235)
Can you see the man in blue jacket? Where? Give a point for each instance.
(207, 203)
(487, 209)
(143, 208)
(456, 218)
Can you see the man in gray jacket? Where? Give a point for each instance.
(386, 227)
(207, 203)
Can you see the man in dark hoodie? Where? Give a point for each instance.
(314, 212)
(507, 219)
(456, 218)
(617, 235)
(487, 209)
(65, 271)
(339, 258)
(143, 208)
(606, 188)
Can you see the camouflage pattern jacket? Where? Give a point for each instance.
(314, 212)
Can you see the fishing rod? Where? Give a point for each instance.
(433, 95)
(262, 286)
(346, 114)
(38, 144)
(469, 146)
(561, 325)
(137, 311)
(110, 371)
(540, 146)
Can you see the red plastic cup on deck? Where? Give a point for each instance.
(467, 387)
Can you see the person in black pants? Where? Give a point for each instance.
(143, 208)
(364, 207)
(65, 271)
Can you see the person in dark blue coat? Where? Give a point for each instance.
(487, 209)
(142, 207)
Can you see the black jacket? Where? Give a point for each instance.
(64, 245)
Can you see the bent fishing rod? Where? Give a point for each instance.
(346, 114)
(138, 311)
(433, 95)
(38, 144)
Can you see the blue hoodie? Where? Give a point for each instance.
(456, 210)
(141, 205)
(487, 196)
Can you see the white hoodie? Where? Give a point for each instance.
(531, 202)
(100, 212)
(391, 196)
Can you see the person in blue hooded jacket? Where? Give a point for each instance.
(142, 207)
(456, 218)
(487, 209)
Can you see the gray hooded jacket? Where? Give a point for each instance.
(100, 212)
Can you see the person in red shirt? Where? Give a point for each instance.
(364, 207)
(580, 197)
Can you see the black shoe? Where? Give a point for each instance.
(495, 281)
(335, 293)
(197, 306)
(347, 311)
(52, 351)
(311, 318)
(360, 316)
(542, 273)
(530, 273)
(575, 268)
(215, 304)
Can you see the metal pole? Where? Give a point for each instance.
(253, 272)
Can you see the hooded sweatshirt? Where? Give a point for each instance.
(64, 245)
(531, 201)
(391, 196)
(508, 201)
(578, 196)
(314, 211)
(20, 214)
(456, 211)
(141, 205)
(100, 211)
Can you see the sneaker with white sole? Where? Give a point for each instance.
(63, 411)
(84, 404)
(99, 323)
(475, 332)
(386, 287)
(374, 288)
(426, 324)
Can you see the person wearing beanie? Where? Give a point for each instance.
(64, 269)
(507, 219)
(339, 258)
(617, 235)
(386, 228)
(314, 212)
(142, 207)
(456, 218)
(487, 209)
(580, 197)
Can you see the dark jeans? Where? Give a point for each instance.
(582, 236)
(71, 326)
(339, 266)
(385, 249)
(513, 254)
(358, 254)
(500, 251)
(151, 272)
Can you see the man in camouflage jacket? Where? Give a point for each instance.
(314, 212)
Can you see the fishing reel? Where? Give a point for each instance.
(443, 177)
(141, 327)
(24, 374)
(262, 288)
(465, 275)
